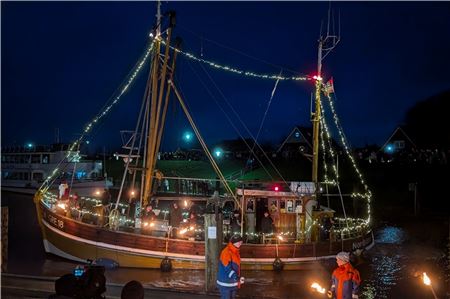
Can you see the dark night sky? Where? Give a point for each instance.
(61, 61)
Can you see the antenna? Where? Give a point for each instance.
(330, 41)
(158, 18)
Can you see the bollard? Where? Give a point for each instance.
(278, 265)
(166, 265)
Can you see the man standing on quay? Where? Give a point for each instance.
(229, 278)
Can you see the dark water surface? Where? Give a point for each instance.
(388, 270)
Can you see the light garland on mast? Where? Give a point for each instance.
(89, 126)
(368, 194)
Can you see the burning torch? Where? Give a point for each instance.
(427, 281)
(319, 289)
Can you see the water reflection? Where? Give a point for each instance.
(385, 268)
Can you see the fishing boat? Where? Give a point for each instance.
(305, 229)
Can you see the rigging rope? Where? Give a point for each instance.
(205, 148)
(123, 88)
(228, 118)
(265, 114)
(201, 37)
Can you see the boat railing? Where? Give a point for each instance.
(88, 209)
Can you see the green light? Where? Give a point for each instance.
(218, 152)
(187, 136)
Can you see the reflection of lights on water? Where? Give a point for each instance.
(385, 270)
(390, 235)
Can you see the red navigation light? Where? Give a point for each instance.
(276, 188)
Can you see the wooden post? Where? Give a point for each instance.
(4, 266)
(213, 246)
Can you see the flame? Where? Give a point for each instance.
(426, 279)
(318, 288)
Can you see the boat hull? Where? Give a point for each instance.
(79, 241)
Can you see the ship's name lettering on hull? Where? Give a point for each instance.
(54, 221)
(363, 243)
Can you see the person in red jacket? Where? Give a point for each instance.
(345, 280)
(229, 278)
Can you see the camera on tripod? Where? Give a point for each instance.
(90, 281)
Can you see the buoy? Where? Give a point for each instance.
(166, 265)
(277, 264)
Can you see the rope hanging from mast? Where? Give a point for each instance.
(204, 146)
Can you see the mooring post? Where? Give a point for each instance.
(213, 245)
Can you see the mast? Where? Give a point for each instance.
(316, 117)
(326, 45)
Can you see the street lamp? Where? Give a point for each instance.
(187, 136)
(218, 152)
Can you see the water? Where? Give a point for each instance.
(389, 270)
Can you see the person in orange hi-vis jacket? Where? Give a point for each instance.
(229, 277)
(345, 280)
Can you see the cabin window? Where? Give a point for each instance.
(290, 206)
(250, 205)
(273, 206)
(282, 205)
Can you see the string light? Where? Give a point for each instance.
(75, 158)
(237, 70)
(357, 224)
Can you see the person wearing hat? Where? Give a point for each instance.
(229, 278)
(345, 280)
